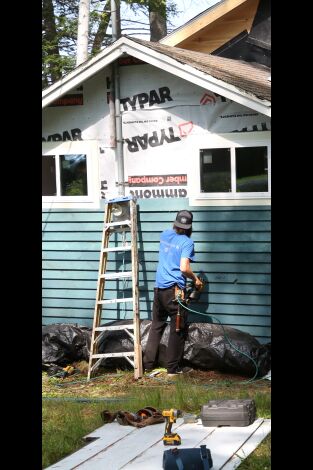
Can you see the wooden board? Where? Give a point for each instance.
(121, 447)
(249, 445)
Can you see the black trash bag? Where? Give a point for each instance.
(119, 341)
(205, 348)
(64, 343)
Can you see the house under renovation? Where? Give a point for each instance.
(193, 132)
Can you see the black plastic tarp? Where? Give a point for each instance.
(206, 347)
(64, 343)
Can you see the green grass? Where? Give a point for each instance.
(63, 426)
(66, 422)
(260, 459)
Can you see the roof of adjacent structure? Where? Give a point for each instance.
(215, 26)
(239, 81)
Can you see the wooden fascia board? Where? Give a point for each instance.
(197, 77)
(78, 76)
(186, 31)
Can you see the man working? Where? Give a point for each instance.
(175, 253)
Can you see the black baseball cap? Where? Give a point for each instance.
(184, 219)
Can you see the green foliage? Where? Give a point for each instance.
(59, 31)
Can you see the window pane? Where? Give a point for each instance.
(49, 187)
(215, 170)
(73, 174)
(251, 169)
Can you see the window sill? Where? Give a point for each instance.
(70, 204)
(229, 201)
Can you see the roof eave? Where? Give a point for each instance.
(201, 21)
(81, 73)
(159, 60)
(193, 75)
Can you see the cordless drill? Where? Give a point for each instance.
(169, 438)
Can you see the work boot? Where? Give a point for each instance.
(180, 371)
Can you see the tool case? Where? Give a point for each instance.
(187, 459)
(240, 412)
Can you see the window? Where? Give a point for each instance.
(232, 167)
(69, 173)
(72, 175)
(215, 170)
(251, 169)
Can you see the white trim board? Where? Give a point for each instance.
(123, 447)
(249, 446)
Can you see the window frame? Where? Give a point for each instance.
(89, 149)
(232, 141)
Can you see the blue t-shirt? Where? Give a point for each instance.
(173, 247)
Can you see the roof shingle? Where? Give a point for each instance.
(243, 75)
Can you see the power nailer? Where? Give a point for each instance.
(170, 438)
(191, 294)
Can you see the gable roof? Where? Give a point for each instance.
(236, 80)
(214, 27)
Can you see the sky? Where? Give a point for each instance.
(188, 9)
(191, 8)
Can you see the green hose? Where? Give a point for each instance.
(226, 337)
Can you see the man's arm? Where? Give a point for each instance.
(187, 271)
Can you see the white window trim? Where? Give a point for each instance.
(231, 140)
(90, 148)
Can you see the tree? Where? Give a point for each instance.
(157, 12)
(60, 24)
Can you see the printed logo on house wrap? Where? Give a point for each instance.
(158, 180)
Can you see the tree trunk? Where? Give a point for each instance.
(102, 29)
(50, 37)
(82, 32)
(157, 19)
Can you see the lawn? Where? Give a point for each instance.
(72, 406)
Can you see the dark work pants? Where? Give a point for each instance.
(163, 306)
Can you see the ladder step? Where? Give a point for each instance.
(116, 224)
(124, 354)
(120, 275)
(121, 248)
(113, 328)
(113, 301)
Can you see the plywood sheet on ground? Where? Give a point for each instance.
(118, 447)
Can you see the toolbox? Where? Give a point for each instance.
(240, 412)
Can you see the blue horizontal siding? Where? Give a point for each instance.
(232, 248)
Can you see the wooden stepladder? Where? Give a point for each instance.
(120, 220)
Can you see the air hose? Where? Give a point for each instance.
(178, 298)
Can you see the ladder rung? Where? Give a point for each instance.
(122, 274)
(124, 354)
(113, 301)
(116, 224)
(121, 248)
(117, 327)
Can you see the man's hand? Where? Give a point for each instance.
(199, 284)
